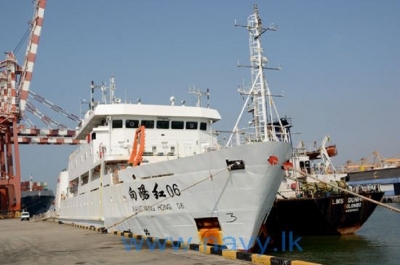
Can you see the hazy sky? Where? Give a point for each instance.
(340, 64)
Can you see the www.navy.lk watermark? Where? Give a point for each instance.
(228, 242)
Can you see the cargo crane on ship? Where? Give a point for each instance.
(15, 83)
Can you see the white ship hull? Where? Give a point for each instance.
(194, 187)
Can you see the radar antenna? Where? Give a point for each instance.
(199, 94)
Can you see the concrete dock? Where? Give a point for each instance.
(47, 242)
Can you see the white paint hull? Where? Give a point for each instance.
(200, 186)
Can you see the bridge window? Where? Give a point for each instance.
(203, 126)
(131, 123)
(149, 124)
(93, 136)
(177, 124)
(191, 125)
(117, 124)
(162, 124)
(84, 179)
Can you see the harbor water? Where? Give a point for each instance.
(377, 242)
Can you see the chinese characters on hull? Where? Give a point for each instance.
(172, 190)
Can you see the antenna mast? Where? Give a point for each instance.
(199, 94)
(259, 90)
(261, 106)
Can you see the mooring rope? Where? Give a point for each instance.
(346, 190)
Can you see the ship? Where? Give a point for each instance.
(161, 171)
(36, 198)
(309, 202)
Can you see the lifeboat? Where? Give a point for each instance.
(331, 150)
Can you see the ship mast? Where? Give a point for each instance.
(265, 115)
(260, 89)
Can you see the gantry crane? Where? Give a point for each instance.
(14, 91)
(375, 160)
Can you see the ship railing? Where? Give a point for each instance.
(299, 151)
(275, 133)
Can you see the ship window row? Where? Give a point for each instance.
(160, 124)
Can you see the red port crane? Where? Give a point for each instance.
(14, 91)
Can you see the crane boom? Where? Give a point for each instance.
(54, 107)
(45, 119)
(30, 56)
